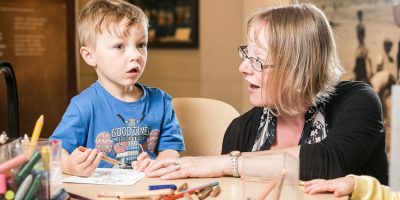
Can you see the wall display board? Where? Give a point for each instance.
(37, 38)
(173, 23)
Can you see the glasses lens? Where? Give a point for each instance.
(255, 64)
(242, 54)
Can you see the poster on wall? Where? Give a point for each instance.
(173, 23)
(33, 38)
(368, 44)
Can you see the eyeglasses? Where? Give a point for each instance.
(254, 62)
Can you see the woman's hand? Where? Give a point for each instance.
(142, 162)
(339, 186)
(81, 163)
(204, 166)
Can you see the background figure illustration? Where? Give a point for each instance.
(363, 64)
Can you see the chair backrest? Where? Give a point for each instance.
(203, 122)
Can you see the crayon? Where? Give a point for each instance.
(33, 188)
(109, 194)
(77, 196)
(187, 196)
(27, 168)
(3, 136)
(270, 185)
(162, 192)
(45, 153)
(25, 141)
(37, 130)
(3, 184)
(35, 135)
(105, 158)
(215, 192)
(12, 163)
(9, 195)
(215, 183)
(23, 188)
(158, 187)
(61, 194)
(278, 186)
(204, 194)
(182, 187)
(191, 190)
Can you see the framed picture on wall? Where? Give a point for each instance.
(368, 44)
(173, 23)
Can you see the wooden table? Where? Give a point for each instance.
(232, 188)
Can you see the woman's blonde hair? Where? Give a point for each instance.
(107, 15)
(302, 48)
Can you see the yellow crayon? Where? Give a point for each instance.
(35, 135)
(37, 130)
(45, 151)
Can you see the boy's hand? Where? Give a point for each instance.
(339, 186)
(81, 163)
(142, 162)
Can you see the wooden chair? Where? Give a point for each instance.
(203, 122)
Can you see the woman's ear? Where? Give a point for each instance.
(88, 56)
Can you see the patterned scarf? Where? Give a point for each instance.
(314, 128)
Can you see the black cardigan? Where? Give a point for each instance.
(355, 142)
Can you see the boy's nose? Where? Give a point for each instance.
(134, 54)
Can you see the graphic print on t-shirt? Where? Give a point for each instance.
(126, 141)
(152, 141)
(104, 142)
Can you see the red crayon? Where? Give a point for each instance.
(12, 163)
(3, 184)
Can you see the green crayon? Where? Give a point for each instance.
(32, 190)
(27, 168)
(23, 188)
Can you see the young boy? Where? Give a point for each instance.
(116, 116)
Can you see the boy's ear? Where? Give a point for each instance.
(88, 56)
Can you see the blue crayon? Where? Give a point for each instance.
(159, 187)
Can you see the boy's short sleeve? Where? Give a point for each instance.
(171, 133)
(71, 129)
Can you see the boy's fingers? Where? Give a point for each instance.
(144, 163)
(135, 165)
(96, 161)
(142, 156)
(80, 157)
(89, 160)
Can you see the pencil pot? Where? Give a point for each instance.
(272, 176)
(33, 171)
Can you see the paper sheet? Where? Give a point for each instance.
(109, 176)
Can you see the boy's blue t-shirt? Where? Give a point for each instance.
(96, 119)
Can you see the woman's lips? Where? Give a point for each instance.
(253, 88)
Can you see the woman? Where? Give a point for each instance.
(291, 66)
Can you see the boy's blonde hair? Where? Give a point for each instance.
(107, 15)
(302, 48)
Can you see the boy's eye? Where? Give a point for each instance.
(142, 46)
(119, 46)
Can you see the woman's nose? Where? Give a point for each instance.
(245, 67)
